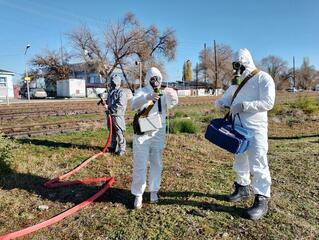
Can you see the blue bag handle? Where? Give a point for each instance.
(229, 117)
(233, 121)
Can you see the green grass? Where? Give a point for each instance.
(179, 114)
(307, 105)
(179, 125)
(195, 176)
(6, 154)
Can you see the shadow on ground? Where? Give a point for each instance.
(77, 194)
(294, 137)
(54, 144)
(181, 198)
(69, 194)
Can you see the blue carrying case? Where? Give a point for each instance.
(225, 134)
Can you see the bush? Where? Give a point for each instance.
(179, 114)
(278, 109)
(182, 126)
(206, 118)
(6, 147)
(196, 115)
(307, 105)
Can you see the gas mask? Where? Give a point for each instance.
(238, 68)
(238, 71)
(111, 85)
(155, 82)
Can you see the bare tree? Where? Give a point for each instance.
(91, 50)
(187, 71)
(129, 41)
(133, 74)
(277, 68)
(224, 66)
(50, 66)
(307, 76)
(124, 42)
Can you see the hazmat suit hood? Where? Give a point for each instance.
(115, 81)
(244, 57)
(152, 72)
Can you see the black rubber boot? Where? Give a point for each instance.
(111, 150)
(259, 209)
(240, 193)
(120, 153)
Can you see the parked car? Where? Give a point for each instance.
(34, 93)
(292, 89)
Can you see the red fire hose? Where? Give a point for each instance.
(58, 182)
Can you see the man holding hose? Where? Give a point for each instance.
(115, 104)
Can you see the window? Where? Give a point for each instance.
(3, 82)
(96, 79)
(91, 79)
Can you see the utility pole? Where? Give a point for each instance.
(205, 61)
(26, 77)
(216, 70)
(294, 72)
(8, 101)
(61, 50)
(196, 78)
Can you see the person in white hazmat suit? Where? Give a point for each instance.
(252, 103)
(149, 146)
(116, 104)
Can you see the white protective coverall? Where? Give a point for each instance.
(149, 146)
(257, 97)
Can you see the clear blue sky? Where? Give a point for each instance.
(284, 27)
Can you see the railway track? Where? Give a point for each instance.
(4, 116)
(15, 119)
(30, 130)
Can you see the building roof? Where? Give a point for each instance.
(82, 67)
(6, 72)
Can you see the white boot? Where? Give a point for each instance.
(138, 202)
(154, 197)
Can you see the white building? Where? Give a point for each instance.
(6, 84)
(71, 88)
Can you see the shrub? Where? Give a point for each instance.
(196, 115)
(278, 109)
(178, 114)
(206, 118)
(182, 126)
(6, 147)
(307, 105)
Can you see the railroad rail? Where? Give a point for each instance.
(15, 119)
(31, 130)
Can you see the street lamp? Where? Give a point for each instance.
(8, 101)
(27, 78)
(139, 63)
